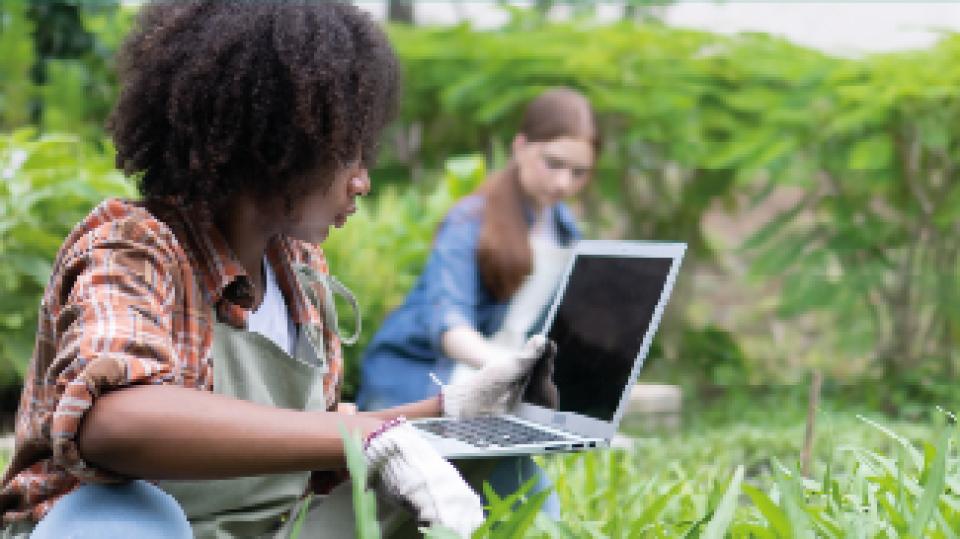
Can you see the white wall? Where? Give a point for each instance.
(848, 28)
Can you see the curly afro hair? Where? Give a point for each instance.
(219, 97)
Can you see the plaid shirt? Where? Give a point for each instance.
(131, 301)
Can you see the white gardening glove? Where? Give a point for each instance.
(414, 474)
(497, 386)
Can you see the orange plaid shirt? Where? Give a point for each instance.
(131, 301)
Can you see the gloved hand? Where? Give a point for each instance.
(497, 386)
(413, 473)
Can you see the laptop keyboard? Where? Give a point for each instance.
(489, 431)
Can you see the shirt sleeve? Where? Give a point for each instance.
(115, 330)
(452, 277)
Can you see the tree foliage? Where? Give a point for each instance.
(873, 242)
(865, 260)
(58, 55)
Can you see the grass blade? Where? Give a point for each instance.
(723, 515)
(936, 480)
(912, 452)
(301, 517)
(653, 511)
(791, 492)
(364, 502)
(499, 508)
(521, 519)
(771, 511)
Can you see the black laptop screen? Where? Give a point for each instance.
(599, 328)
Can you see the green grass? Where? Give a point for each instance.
(734, 474)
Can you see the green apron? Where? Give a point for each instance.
(249, 366)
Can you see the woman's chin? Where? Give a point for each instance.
(313, 235)
(322, 235)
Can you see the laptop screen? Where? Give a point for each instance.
(599, 327)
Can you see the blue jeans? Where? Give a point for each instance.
(140, 509)
(135, 509)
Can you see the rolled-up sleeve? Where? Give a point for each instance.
(451, 277)
(114, 317)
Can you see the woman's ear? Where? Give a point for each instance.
(519, 142)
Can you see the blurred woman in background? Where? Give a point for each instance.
(488, 252)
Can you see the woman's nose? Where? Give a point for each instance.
(360, 184)
(565, 182)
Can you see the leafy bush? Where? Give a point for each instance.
(16, 59)
(870, 244)
(47, 185)
(56, 56)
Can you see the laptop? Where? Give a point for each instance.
(602, 319)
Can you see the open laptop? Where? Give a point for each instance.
(603, 319)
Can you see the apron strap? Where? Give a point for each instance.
(344, 292)
(331, 286)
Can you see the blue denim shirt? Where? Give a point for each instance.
(450, 292)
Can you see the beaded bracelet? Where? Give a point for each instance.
(384, 427)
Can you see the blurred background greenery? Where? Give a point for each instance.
(817, 193)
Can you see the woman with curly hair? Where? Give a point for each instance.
(186, 375)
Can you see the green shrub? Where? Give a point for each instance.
(47, 185)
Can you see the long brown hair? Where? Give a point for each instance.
(504, 256)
